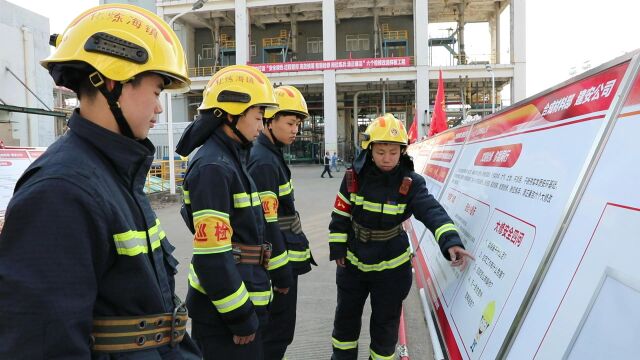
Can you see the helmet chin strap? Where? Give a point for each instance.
(274, 139)
(234, 127)
(112, 99)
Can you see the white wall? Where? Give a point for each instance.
(12, 21)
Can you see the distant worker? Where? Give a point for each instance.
(368, 243)
(291, 255)
(327, 164)
(86, 270)
(334, 161)
(229, 288)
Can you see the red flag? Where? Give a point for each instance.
(439, 117)
(413, 131)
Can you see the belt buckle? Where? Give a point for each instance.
(363, 234)
(367, 235)
(179, 307)
(265, 254)
(236, 252)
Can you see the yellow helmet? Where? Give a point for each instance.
(236, 88)
(385, 129)
(289, 100)
(119, 41)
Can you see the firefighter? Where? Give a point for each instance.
(291, 255)
(86, 270)
(369, 245)
(229, 287)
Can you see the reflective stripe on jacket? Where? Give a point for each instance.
(221, 206)
(272, 176)
(80, 241)
(378, 205)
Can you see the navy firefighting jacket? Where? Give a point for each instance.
(379, 205)
(221, 206)
(272, 176)
(81, 241)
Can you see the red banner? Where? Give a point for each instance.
(367, 63)
(499, 156)
(444, 155)
(589, 95)
(438, 173)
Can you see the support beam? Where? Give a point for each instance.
(330, 112)
(462, 60)
(518, 50)
(497, 30)
(330, 98)
(242, 32)
(420, 19)
(329, 29)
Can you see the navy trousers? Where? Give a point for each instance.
(387, 289)
(281, 327)
(217, 346)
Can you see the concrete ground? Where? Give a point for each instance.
(317, 293)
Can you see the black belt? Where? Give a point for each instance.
(114, 334)
(290, 222)
(364, 234)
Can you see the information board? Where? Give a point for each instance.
(588, 305)
(512, 178)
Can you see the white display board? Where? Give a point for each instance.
(13, 162)
(443, 151)
(508, 189)
(588, 305)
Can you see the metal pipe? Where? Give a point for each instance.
(493, 88)
(216, 43)
(355, 109)
(384, 98)
(27, 41)
(27, 87)
(437, 351)
(376, 32)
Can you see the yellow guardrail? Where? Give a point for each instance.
(205, 71)
(268, 42)
(158, 177)
(228, 44)
(395, 35)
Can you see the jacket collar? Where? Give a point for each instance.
(126, 155)
(264, 140)
(277, 150)
(238, 150)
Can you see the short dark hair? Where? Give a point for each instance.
(286, 113)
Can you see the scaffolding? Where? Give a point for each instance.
(275, 47)
(227, 50)
(394, 42)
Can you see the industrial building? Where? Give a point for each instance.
(354, 60)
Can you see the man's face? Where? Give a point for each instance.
(140, 104)
(285, 128)
(386, 156)
(250, 123)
